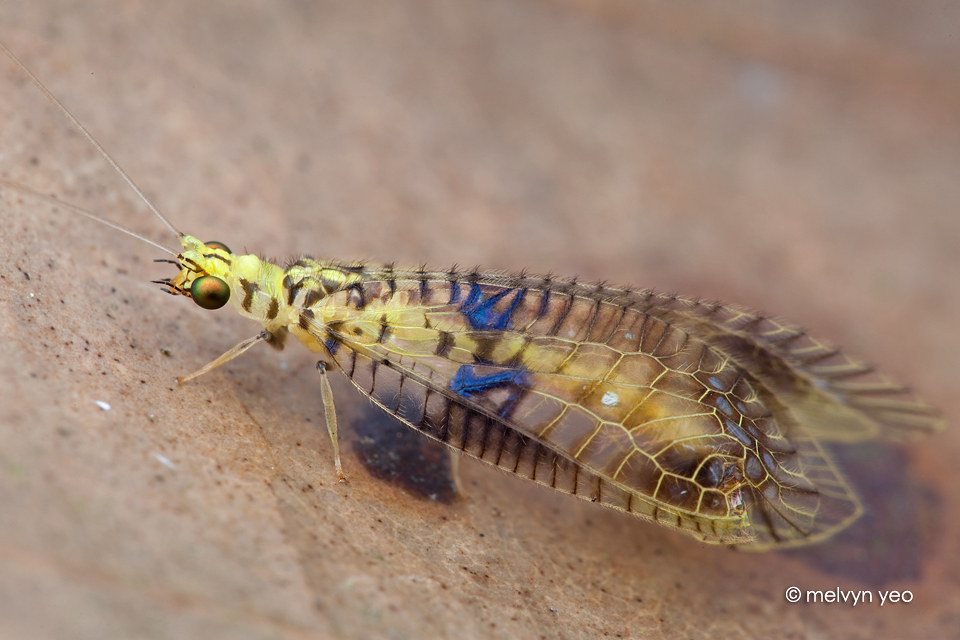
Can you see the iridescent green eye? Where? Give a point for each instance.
(216, 244)
(210, 292)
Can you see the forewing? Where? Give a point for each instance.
(584, 389)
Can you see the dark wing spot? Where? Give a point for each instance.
(384, 329)
(424, 287)
(391, 280)
(444, 344)
(306, 317)
(357, 296)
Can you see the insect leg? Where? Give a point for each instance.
(453, 456)
(330, 413)
(228, 356)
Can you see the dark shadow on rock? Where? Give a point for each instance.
(901, 517)
(395, 453)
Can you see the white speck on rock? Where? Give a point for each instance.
(165, 461)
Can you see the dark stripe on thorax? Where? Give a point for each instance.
(217, 256)
(249, 289)
(273, 309)
(314, 295)
(291, 288)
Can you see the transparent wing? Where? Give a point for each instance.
(835, 397)
(600, 393)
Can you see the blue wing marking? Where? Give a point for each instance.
(482, 313)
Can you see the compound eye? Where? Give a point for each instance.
(216, 244)
(210, 292)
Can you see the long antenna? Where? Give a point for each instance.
(90, 138)
(83, 212)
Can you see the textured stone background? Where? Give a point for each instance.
(800, 159)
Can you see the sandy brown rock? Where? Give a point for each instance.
(804, 162)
